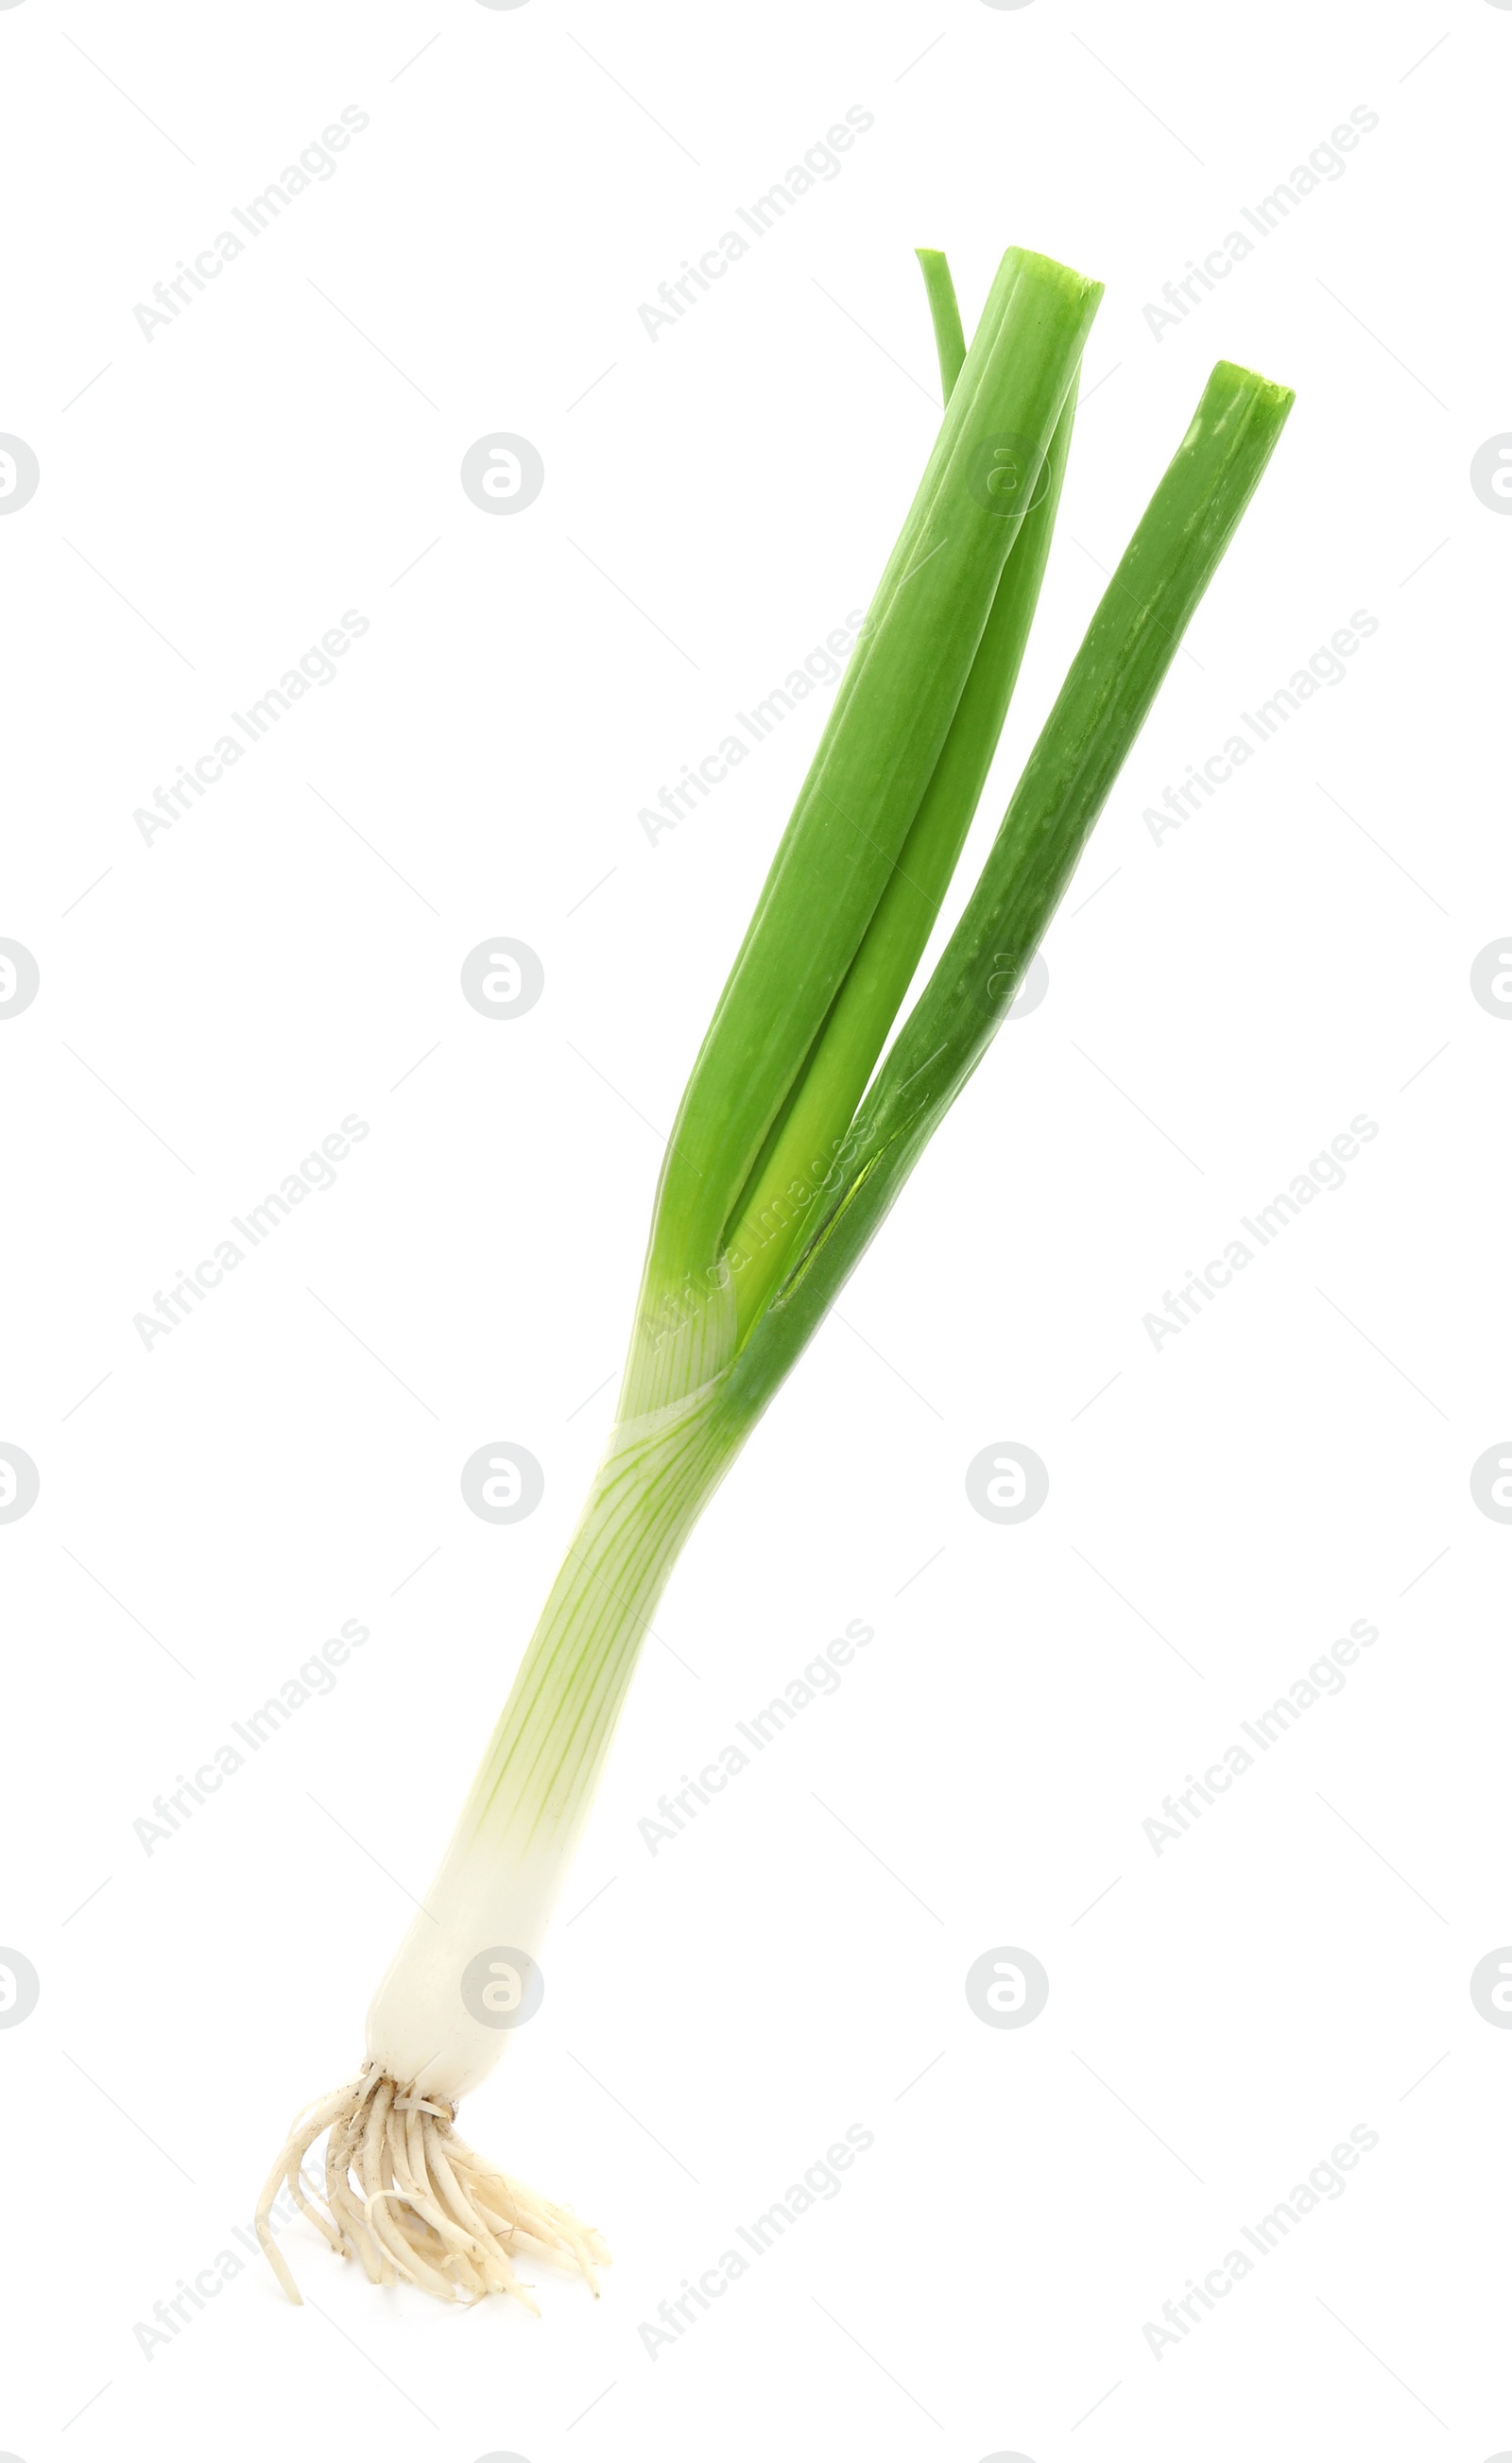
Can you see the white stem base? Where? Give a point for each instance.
(405, 2196)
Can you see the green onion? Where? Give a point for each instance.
(789, 1148)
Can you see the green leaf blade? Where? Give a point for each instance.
(885, 734)
(1104, 702)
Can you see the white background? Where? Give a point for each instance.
(213, 1003)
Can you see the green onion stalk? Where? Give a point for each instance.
(793, 1138)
